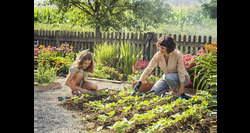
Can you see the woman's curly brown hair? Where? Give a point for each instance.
(168, 42)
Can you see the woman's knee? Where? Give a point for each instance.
(160, 87)
(172, 81)
(169, 78)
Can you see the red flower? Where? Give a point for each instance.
(193, 64)
(190, 82)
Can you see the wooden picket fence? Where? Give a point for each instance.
(86, 40)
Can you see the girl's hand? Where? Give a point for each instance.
(82, 90)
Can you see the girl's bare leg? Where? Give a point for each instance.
(76, 80)
(89, 85)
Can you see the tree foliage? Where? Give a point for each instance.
(211, 8)
(106, 14)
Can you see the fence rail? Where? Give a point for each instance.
(86, 40)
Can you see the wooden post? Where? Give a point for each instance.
(57, 37)
(151, 50)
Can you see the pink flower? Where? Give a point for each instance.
(201, 51)
(193, 64)
(187, 67)
(133, 68)
(188, 55)
(194, 75)
(140, 65)
(58, 49)
(190, 82)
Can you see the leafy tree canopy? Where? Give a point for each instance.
(106, 14)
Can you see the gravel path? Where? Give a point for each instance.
(52, 118)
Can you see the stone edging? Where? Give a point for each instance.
(107, 80)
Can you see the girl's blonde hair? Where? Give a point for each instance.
(82, 56)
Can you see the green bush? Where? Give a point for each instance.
(45, 73)
(105, 72)
(107, 54)
(129, 56)
(206, 69)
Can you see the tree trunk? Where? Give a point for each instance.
(97, 33)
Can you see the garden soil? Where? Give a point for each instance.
(50, 117)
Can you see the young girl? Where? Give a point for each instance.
(78, 72)
(170, 60)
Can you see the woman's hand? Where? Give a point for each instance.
(178, 91)
(137, 86)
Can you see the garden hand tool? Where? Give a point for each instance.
(149, 37)
(62, 98)
(137, 87)
(178, 97)
(185, 96)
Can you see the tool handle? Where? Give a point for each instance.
(133, 93)
(147, 50)
(137, 87)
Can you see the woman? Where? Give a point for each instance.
(170, 60)
(78, 72)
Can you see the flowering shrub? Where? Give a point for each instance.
(139, 66)
(61, 58)
(62, 51)
(190, 63)
(206, 69)
(138, 70)
(212, 47)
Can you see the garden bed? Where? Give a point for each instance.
(116, 111)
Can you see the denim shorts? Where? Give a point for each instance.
(171, 81)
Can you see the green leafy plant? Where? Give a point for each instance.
(120, 126)
(126, 109)
(102, 118)
(111, 113)
(105, 72)
(129, 56)
(107, 54)
(206, 69)
(45, 73)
